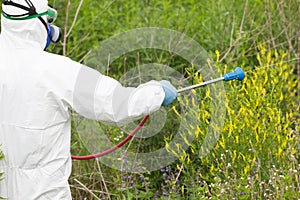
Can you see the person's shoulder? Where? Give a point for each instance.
(56, 57)
(59, 65)
(60, 60)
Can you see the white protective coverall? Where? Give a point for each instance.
(37, 89)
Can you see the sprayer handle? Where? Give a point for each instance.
(238, 74)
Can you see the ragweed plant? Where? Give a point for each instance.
(1, 157)
(257, 153)
(1, 174)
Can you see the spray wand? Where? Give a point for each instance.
(238, 74)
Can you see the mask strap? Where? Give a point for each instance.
(44, 22)
(31, 11)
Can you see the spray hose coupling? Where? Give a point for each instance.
(238, 74)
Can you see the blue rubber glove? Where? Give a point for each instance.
(170, 92)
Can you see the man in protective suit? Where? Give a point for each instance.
(37, 89)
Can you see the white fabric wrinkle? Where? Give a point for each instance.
(103, 100)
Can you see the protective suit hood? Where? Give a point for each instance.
(29, 33)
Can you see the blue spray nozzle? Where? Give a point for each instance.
(238, 74)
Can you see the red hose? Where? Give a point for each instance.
(139, 126)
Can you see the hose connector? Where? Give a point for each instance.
(238, 74)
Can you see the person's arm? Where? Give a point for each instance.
(102, 98)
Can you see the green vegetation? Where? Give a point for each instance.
(1, 174)
(257, 154)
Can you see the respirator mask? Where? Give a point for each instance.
(54, 33)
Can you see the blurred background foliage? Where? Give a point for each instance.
(257, 154)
